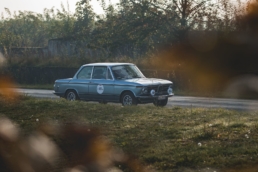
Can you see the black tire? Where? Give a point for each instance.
(161, 103)
(71, 95)
(128, 99)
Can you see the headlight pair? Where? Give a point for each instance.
(145, 91)
(152, 92)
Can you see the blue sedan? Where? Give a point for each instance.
(114, 82)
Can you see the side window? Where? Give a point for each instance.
(85, 73)
(99, 72)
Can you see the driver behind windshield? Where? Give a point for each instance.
(118, 74)
(126, 72)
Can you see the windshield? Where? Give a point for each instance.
(126, 72)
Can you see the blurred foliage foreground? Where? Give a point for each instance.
(57, 135)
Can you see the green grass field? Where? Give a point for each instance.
(168, 139)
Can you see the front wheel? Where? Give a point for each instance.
(71, 95)
(128, 99)
(161, 103)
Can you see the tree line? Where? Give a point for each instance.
(130, 28)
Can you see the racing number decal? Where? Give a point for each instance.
(100, 89)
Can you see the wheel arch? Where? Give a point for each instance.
(120, 97)
(71, 89)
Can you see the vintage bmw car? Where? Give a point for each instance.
(114, 82)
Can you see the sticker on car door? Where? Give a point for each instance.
(100, 89)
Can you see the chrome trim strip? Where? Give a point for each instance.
(125, 85)
(91, 83)
(154, 96)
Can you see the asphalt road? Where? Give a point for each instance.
(181, 101)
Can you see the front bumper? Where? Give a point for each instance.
(58, 94)
(150, 99)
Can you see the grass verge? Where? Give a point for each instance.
(169, 139)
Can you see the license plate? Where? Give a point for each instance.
(161, 97)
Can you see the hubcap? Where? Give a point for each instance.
(71, 96)
(127, 100)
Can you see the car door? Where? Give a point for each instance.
(81, 82)
(101, 87)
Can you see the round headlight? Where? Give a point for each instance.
(152, 92)
(170, 90)
(144, 90)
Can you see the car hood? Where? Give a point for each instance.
(149, 81)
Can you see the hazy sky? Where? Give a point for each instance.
(39, 5)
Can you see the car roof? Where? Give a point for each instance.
(107, 64)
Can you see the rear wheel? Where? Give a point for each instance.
(71, 95)
(161, 103)
(128, 99)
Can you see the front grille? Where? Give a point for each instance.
(159, 89)
(163, 89)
